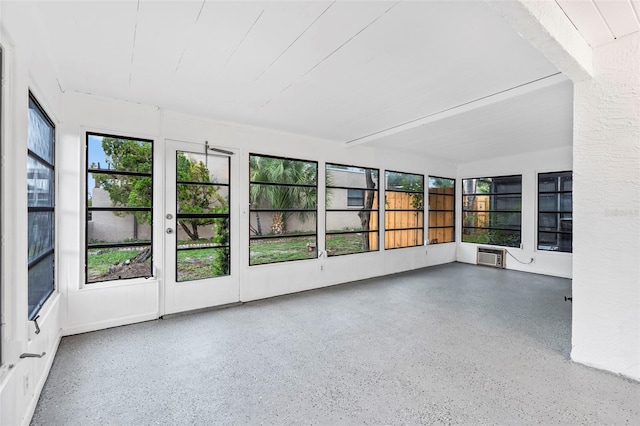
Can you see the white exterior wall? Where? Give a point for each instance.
(338, 200)
(606, 286)
(527, 165)
(106, 226)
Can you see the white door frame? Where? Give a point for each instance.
(203, 293)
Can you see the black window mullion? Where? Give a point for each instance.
(141, 243)
(119, 209)
(185, 182)
(403, 192)
(222, 265)
(119, 172)
(360, 188)
(352, 210)
(204, 247)
(351, 232)
(503, 191)
(275, 237)
(356, 196)
(475, 194)
(554, 192)
(309, 170)
(494, 211)
(555, 231)
(146, 212)
(556, 179)
(414, 180)
(40, 258)
(40, 209)
(38, 292)
(295, 185)
(202, 216)
(493, 228)
(40, 159)
(433, 191)
(414, 228)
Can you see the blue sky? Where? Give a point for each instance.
(95, 155)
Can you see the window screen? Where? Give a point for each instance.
(404, 210)
(351, 209)
(492, 210)
(40, 206)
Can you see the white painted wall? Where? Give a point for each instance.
(270, 280)
(26, 67)
(107, 304)
(528, 165)
(606, 287)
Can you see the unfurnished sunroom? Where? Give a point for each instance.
(180, 156)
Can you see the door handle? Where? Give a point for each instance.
(169, 231)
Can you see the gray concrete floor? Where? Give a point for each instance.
(449, 344)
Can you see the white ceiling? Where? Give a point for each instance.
(532, 121)
(603, 21)
(341, 70)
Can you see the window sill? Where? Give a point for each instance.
(118, 283)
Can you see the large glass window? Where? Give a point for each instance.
(202, 203)
(442, 196)
(119, 208)
(40, 206)
(352, 209)
(555, 207)
(283, 213)
(404, 210)
(492, 210)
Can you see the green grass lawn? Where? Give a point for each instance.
(201, 263)
(99, 260)
(345, 244)
(280, 250)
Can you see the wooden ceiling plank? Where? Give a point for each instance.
(619, 16)
(588, 21)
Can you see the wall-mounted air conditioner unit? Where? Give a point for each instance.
(491, 257)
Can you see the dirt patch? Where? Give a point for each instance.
(132, 270)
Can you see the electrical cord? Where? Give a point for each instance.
(524, 263)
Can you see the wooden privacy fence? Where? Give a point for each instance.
(441, 206)
(441, 213)
(402, 219)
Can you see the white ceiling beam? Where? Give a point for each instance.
(549, 30)
(459, 109)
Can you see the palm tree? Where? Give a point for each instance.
(284, 187)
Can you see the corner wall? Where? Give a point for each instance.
(606, 288)
(527, 165)
(606, 196)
